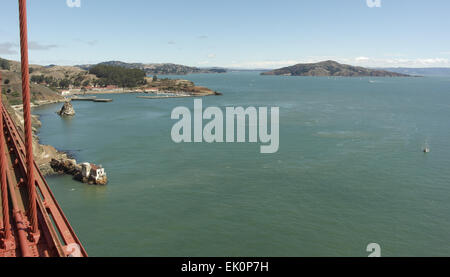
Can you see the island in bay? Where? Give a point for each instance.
(332, 68)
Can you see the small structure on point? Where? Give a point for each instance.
(93, 174)
(86, 172)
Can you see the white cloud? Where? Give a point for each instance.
(362, 59)
(211, 56)
(33, 45)
(88, 42)
(73, 3)
(262, 64)
(403, 62)
(373, 3)
(8, 48)
(64, 62)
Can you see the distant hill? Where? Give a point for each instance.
(332, 68)
(159, 69)
(435, 71)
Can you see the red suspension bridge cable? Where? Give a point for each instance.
(27, 114)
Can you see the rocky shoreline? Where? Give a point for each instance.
(55, 84)
(54, 162)
(43, 154)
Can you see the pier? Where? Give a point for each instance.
(91, 98)
(164, 96)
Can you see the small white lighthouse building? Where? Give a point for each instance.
(92, 171)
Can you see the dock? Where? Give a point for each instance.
(102, 100)
(164, 96)
(92, 99)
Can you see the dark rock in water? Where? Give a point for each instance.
(65, 166)
(67, 110)
(92, 181)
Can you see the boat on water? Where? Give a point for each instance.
(426, 147)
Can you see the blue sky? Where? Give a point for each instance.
(240, 34)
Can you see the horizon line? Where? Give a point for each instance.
(232, 67)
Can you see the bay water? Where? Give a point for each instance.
(350, 171)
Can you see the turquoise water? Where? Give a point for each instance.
(350, 171)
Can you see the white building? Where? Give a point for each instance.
(151, 90)
(97, 172)
(86, 170)
(91, 170)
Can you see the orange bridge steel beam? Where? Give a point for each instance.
(4, 188)
(58, 237)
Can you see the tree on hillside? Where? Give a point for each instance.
(38, 79)
(79, 78)
(95, 82)
(86, 83)
(77, 83)
(64, 83)
(49, 80)
(119, 76)
(4, 64)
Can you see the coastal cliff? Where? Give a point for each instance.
(43, 154)
(49, 160)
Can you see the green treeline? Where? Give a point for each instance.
(119, 76)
